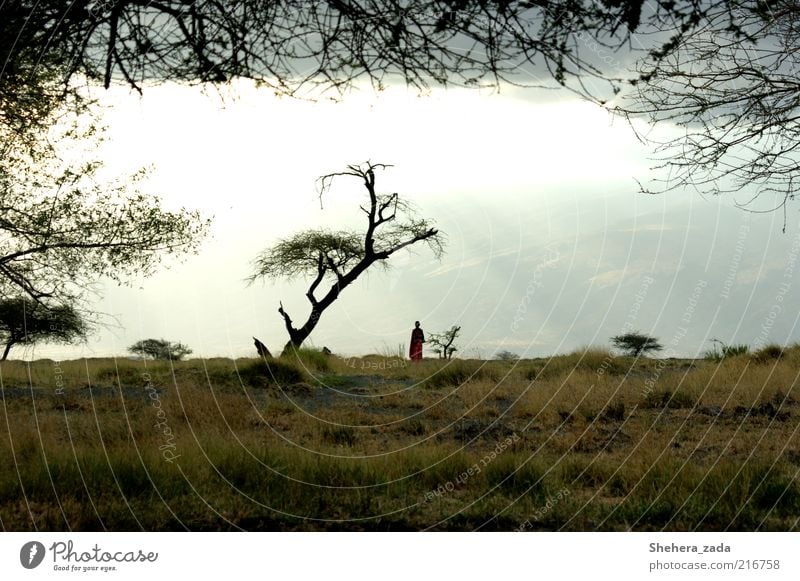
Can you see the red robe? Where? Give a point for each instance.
(417, 339)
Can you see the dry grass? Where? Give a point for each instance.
(585, 441)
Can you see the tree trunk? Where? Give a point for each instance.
(298, 336)
(8, 348)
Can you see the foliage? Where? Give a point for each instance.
(720, 350)
(294, 47)
(25, 321)
(443, 342)
(264, 373)
(679, 68)
(506, 355)
(62, 228)
(771, 352)
(308, 359)
(730, 85)
(635, 343)
(160, 349)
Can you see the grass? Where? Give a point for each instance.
(583, 441)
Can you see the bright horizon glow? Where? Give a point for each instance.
(504, 176)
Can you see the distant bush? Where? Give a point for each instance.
(771, 352)
(506, 356)
(722, 351)
(459, 372)
(268, 372)
(160, 349)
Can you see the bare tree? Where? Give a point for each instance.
(341, 257)
(732, 85)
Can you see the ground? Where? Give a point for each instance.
(586, 441)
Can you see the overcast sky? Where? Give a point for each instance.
(550, 247)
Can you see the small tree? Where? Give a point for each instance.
(159, 349)
(636, 343)
(23, 320)
(506, 355)
(341, 257)
(443, 342)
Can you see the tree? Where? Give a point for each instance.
(341, 257)
(160, 349)
(506, 355)
(636, 343)
(443, 342)
(731, 86)
(61, 228)
(25, 321)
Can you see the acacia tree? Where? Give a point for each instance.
(339, 258)
(160, 349)
(635, 343)
(443, 342)
(25, 321)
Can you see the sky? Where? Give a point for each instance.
(550, 246)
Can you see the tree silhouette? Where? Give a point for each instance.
(341, 257)
(635, 343)
(731, 85)
(62, 227)
(25, 321)
(160, 349)
(328, 44)
(443, 342)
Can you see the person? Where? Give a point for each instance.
(417, 339)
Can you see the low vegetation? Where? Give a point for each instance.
(584, 441)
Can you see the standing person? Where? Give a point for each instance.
(417, 339)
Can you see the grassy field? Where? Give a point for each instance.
(585, 442)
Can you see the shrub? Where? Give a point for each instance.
(722, 351)
(263, 373)
(308, 359)
(771, 352)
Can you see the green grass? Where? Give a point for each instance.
(437, 445)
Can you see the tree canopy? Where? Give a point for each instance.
(635, 343)
(160, 349)
(724, 71)
(443, 343)
(25, 321)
